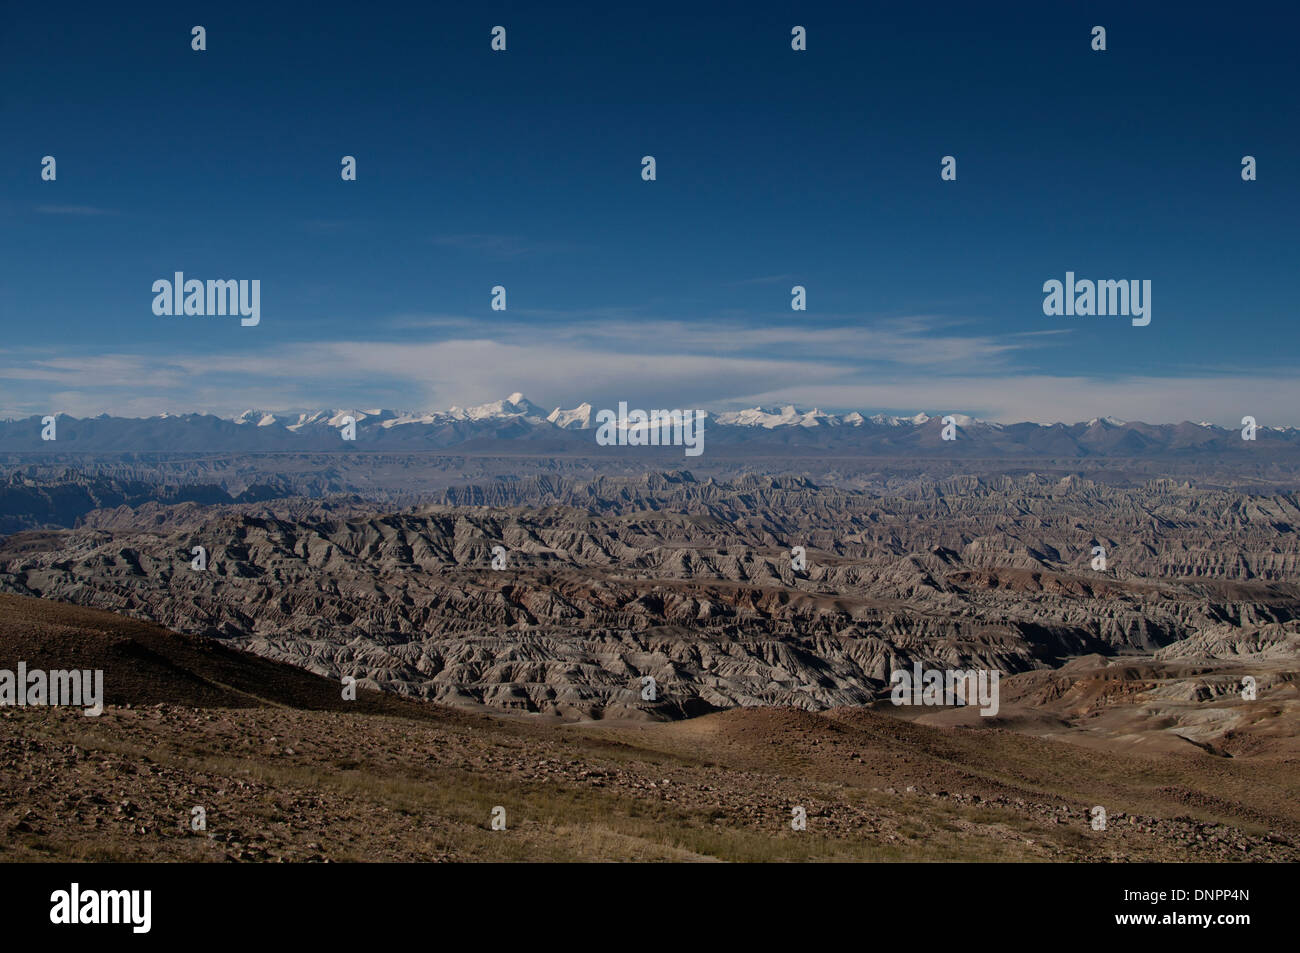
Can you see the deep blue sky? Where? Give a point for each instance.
(819, 168)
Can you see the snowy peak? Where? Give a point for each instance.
(257, 418)
(516, 405)
(579, 418)
(760, 417)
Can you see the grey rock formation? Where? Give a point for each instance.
(691, 582)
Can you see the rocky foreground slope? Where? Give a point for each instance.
(695, 585)
(283, 769)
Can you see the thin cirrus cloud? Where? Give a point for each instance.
(912, 342)
(764, 280)
(88, 211)
(502, 246)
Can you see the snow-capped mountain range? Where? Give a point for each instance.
(515, 418)
(583, 417)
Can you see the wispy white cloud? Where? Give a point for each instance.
(911, 341)
(900, 365)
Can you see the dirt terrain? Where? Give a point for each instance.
(285, 769)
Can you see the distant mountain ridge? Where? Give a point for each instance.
(518, 420)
